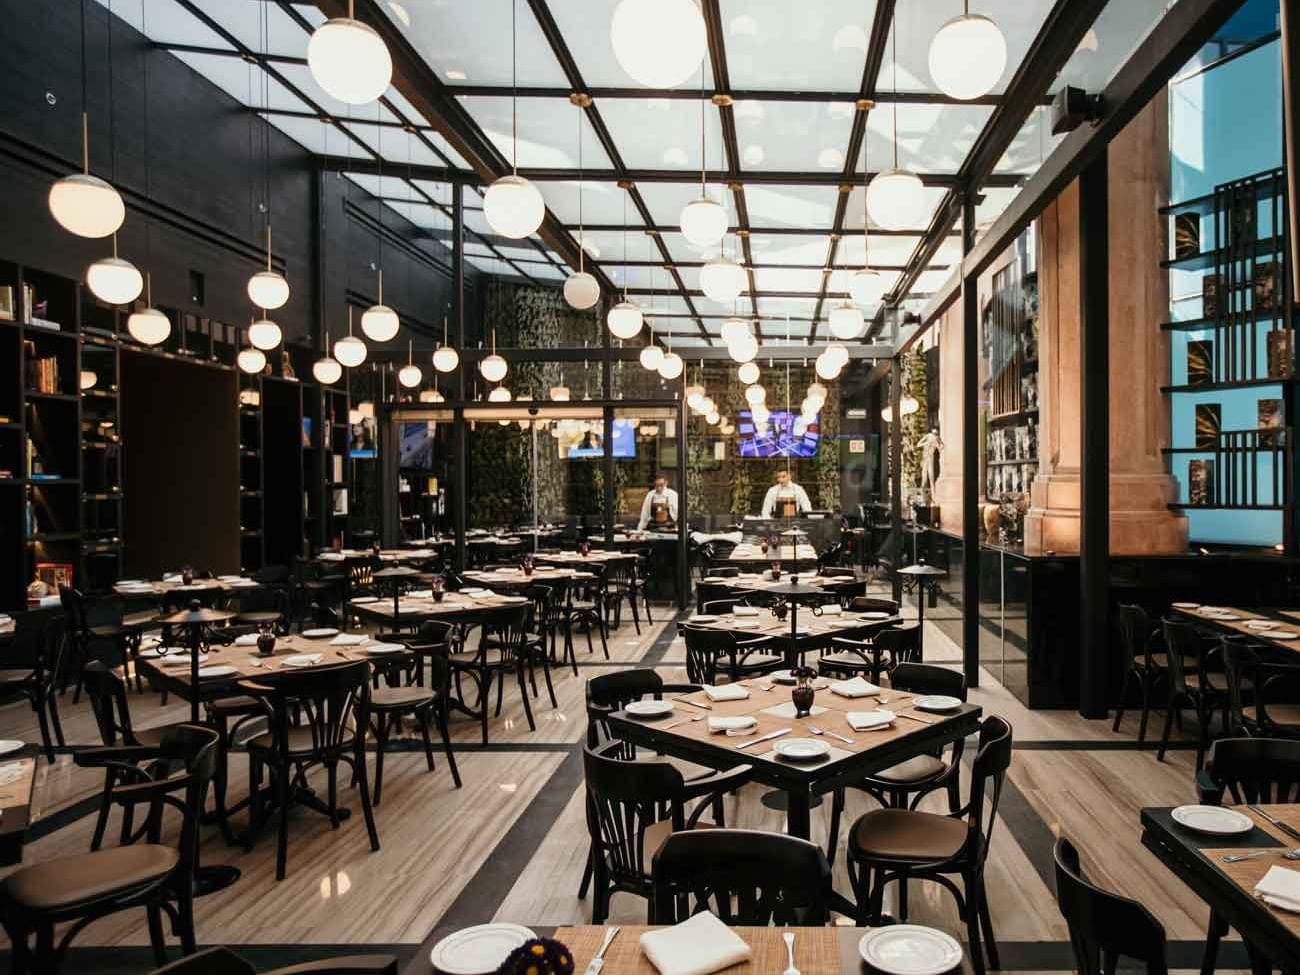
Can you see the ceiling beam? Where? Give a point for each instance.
(763, 231)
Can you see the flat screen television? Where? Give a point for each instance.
(778, 438)
(416, 450)
(592, 443)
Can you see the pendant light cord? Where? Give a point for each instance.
(112, 143)
(703, 148)
(582, 235)
(514, 89)
(893, 35)
(626, 194)
(85, 114)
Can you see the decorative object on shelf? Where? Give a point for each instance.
(410, 374)
(559, 394)
(1280, 353)
(1209, 421)
(149, 326)
(1210, 296)
(349, 59)
(88, 379)
(493, 367)
(659, 43)
(251, 360)
(327, 370)
(1269, 421)
(896, 198)
(1265, 286)
(264, 334)
(83, 204)
(445, 358)
(1200, 362)
(37, 588)
(379, 323)
(1187, 235)
(350, 350)
(1200, 482)
(268, 289)
(512, 206)
(581, 290)
(992, 520)
(967, 56)
(115, 280)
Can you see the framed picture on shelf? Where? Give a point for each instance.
(1270, 421)
(1187, 235)
(1210, 296)
(1200, 482)
(1279, 353)
(1209, 421)
(1200, 362)
(55, 574)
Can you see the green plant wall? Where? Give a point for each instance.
(914, 385)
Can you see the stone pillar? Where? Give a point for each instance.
(947, 487)
(1140, 488)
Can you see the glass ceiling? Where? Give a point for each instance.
(775, 148)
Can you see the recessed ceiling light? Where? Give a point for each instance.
(456, 75)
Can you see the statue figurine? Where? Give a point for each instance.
(930, 446)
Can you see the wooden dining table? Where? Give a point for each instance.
(16, 803)
(1284, 636)
(1228, 888)
(413, 610)
(814, 631)
(770, 704)
(595, 555)
(516, 578)
(817, 950)
(789, 555)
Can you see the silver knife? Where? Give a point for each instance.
(597, 963)
(1290, 831)
(755, 741)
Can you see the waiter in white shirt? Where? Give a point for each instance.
(785, 499)
(659, 506)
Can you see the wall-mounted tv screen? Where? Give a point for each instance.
(592, 443)
(778, 437)
(416, 451)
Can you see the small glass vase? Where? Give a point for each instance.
(803, 692)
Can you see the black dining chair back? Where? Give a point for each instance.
(1104, 926)
(703, 648)
(745, 877)
(899, 644)
(872, 604)
(330, 702)
(607, 693)
(928, 679)
(1251, 770)
(223, 961)
(624, 799)
(988, 772)
(108, 702)
(719, 607)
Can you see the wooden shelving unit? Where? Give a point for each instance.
(1010, 349)
(252, 553)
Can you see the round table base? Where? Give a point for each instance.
(778, 800)
(210, 879)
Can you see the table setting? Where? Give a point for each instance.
(1265, 625)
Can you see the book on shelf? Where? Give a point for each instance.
(7, 303)
(1264, 287)
(1210, 296)
(1200, 362)
(1209, 421)
(1279, 353)
(340, 501)
(1200, 482)
(1187, 235)
(337, 472)
(1269, 412)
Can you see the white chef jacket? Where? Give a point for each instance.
(651, 497)
(776, 493)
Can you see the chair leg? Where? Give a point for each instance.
(973, 940)
(157, 936)
(833, 839)
(550, 688)
(585, 884)
(986, 926)
(185, 918)
(105, 805)
(282, 787)
(1119, 711)
(422, 719)
(332, 792)
(1145, 684)
(39, 707)
(523, 692)
(1164, 735)
(381, 740)
(366, 809)
(441, 714)
(53, 699)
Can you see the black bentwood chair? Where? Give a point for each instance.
(223, 961)
(143, 872)
(1196, 680)
(743, 876)
(1142, 664)
(1103, 926)
(34, 663)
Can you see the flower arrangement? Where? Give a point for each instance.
(540, 956)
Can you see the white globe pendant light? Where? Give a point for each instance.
(837, 353)
(712, 418)
(379, 322)
(513, 207)
(114, 280)
(743, 350)
(867, 286)
(559, 394)
(896, 198)
(755, 395)
(846, 321)
(264, 334)
(86, 205)
(659, 43)
(908, 405)
(432, 396)
(624, 320)
(694, 397)
(672, 366)
(748, 372)
(704, 221)
(251, 361)
(349, 60)
(350, 350)
(410, 375)
(327, 370)
(267, 289)
(827, 366)
(723, 280)
(149, 326)
(445, 358)
(735, 330)
(651, 356)
(581, 290)
(499, 395)
(967, 56)
(493, 368)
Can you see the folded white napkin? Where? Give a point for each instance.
(870, 720)
(725, 692)
(171, 577)
(738, 725)
(745, 611)
(1280, 887)
(421, 593)
(832, 610)
(247, 640)
(699, 945)
(857, 687)
(349, 640)
(331, 556)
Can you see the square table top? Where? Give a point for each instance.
(415, 608)
(16, 802)
(515, 578)
(165, 587)
(811, 627)
(573, 558)
(749, 552)
(1288, 620)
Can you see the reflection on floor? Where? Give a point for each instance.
(511, 844)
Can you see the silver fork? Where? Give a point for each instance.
(1238, 857)
(694, 717)
(820, 731)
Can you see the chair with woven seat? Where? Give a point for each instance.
(632, 807)
(223, 961)
(906, 844)
(1261, 690)
(332, 705)
(1194, 681)
(391, 700)
(37, 652)
(710, 652)
(743, 876)
(76, 890)
(1246, 770)
(1142, 664)
(1103, 926)
(904, 785)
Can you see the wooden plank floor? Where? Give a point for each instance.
(512, 843)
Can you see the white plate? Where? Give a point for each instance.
(703, 619)
(174, 652)
(937, 702)
(873, 616)
(321, 632)
(1262, 624)
(514, 599)
(362, 600)
(10, 745)
(649, 709)
(1221, 616)
(302, 660)
(1185, 605)
(384, 648)
(713, 579)
(782, 676)
(910, 949)
(802, 749)
(1215, 820)
(230, 578)
(1279, 634)
(478, 950)
(219, 670)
